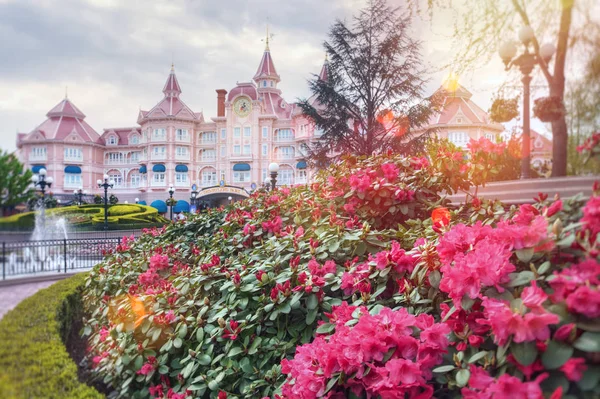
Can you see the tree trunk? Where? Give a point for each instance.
(557, 88)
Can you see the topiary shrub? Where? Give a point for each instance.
(120, 210)
(361, 285)
(34, 362)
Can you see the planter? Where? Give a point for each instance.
(504, 110)
(548, 109)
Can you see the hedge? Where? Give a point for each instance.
(34, 362)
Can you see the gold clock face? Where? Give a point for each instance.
(242, 106)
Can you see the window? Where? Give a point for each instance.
(265, 132)
(286, 177)
(209, 178)
(160, 152)
(223, 134)
(247, 149)
(117, 178)
(271, 83)
(301, 176)
(264, 150)
(285, 134)
(223, 151)
(209, 137)
(458, 120)
(159, 177)
(209, 155)
(115, 157)
(72, 179)
(241, 177)
(135, 156)
(136, 180)
(38, 152)
(181, 151)
(286, 152)
(247, 132)
(73, 153)
(236, 132)
(265, 173)
(459, 139)
(237, 149)
(181, 135)
(181, 177)
(160, 134)
(135, 139)
(264, 83)
(491, 137)
(112, 140)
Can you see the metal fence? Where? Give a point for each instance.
(23, 258)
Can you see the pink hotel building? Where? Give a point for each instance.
(174, 145)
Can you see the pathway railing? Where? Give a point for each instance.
(25, 258)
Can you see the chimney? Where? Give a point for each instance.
(221, 102)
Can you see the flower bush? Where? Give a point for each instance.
(362, 285)
(548, 109)
(504, 110)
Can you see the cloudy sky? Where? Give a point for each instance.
(115, 55)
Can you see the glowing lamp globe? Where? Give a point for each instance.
(547, 50)
(35, 178)
(99, 182)
(43, 172)
(507, 51)
(274, 167)
(526, 34)
(50, 180)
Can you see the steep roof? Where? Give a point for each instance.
(64, 120)
(122, 133)
(171, 105)
(324, 74)
(457, 102)
(266, 68)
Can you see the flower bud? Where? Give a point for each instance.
(557, 227)
(222, 323)
(206, 301)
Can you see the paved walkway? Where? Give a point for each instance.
(11, 295)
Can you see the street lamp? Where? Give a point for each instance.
(229, 199)
(273, 168)
(171, 192)
(526, 62)
(137, 200)
(194, 195)
(106, 184)
(40, 180)
(79, 193)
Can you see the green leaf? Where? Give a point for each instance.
(235, 351)
(462, 377)
(325, 328)
(590, 378)
(163, 369)
(200, 335)
(246, 366)
(312, 302)
(204, 360)
(177, 342)
(477, 356)
(524, 352)
(522, 278)
(525, 254)
(557, 354)
(183, 331)
(434, 278)
(254, 347)
(311, 316)
(443, 369)
(588, 342)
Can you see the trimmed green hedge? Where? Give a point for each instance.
(34, 362)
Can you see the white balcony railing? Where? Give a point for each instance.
(284, 139)
(185, 139)
(208, 141)
(182, 184)
(208, 159)
(37, 158)
(158, 184)
(74, 159)
(159, 138)
(159, 157)
(182, 157)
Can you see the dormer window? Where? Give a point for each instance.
(112, 140)
(283, 104)
(135, 139)
(271, 83)
(459, 120)
(264, 83)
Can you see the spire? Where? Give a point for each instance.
(324, 74)
(267, 39)
(65, 109)
(66, 92)
(266, 68)
(172, 87)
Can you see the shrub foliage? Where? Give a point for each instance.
(361, 285)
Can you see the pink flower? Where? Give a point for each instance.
(533, 297)
(390, 171)
(273, 226)
(554, 208)
(574, 368)
(586, 301)
(564, 332)
(222, 395)
(146, 369)
(159, 262)
(299, 232)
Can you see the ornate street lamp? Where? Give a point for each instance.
(229, 199)
(273, 168)
(194, 196)
(171, 192)
(526, 62)
(40, 180)
(137, 200)
(106, 184)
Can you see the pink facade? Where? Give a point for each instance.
(173, 145)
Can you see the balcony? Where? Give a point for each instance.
(182, 157)
(159, 157)
(159, 139)
(182, 184)
(74, 159)
(72, 185)
(208, 159)
(37, 158)
(184, 139)
(284, 139)
(158, 183)
(285, 157)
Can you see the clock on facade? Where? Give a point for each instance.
(242, 106)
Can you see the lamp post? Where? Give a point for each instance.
(273, 168)
(106, 184)
(194, 196)
(171, 192)
(525, 62)
(79, 193)
(229, 199)
(137, 200)
(40, 180)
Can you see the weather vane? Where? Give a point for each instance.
(268, 37)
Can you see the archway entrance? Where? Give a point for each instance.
(212, 197)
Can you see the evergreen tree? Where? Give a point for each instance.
(372, 100)
(15, 182)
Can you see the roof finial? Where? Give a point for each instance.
(66, 92)
(326, 57)
(267, 40)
